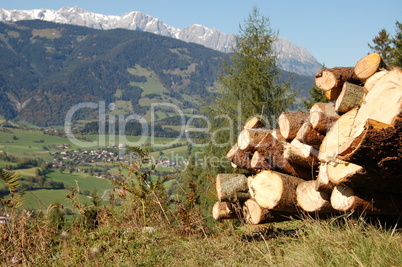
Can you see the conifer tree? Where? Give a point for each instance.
(249, 86)
(382, 44)
(396, 55)
(250, 81)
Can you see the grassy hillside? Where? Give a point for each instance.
(48, 68)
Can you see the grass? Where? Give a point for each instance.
(83, 180)
(123, 242)
(43, 198)
(145, 228)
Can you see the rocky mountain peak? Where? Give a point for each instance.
(290, 56)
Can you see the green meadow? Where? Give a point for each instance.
(35, 144)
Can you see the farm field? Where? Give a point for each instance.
(36, 145)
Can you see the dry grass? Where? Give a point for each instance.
(119, 240)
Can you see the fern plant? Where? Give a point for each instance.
(12, 182)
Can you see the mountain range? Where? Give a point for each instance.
(48, 68)
(291, 57)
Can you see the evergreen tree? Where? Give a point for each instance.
(250, 81)
(250, 86)
(396, 55)
(382, 45)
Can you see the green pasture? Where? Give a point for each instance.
(43, 198)
(29, 144)
(152, 86)
(122, 108)
(80, 181)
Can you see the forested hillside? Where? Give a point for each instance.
(47, 68)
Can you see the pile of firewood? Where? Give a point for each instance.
(341, 156)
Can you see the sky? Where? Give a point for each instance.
(336, 33)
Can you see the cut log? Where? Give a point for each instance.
(373, 80)
(350, 97)
(259, 162)
(345, 172)
(271, 140)
(382, 103)
(248, 139)
(323, 116)
(232, 187)
(301, 154)
(370, 180)
(322, 183)
(239, 158)
(254, 122)
(254, 214)
(336, 136)
(377, 142)
(368, 65)
(290, 123)
(275, 160)
(311, 200)
(308, 135)
(223, 210)
(333, 94)
(345, 199)
(275, 191)
(334, 78)
(232, 152)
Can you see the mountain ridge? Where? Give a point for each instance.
(48, 68)
(291, 57)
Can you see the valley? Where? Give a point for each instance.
(49, 164)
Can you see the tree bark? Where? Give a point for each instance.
(350, 97)
(290, 123)
(275, 191)
(311, 200)
(368, 66)
(223, 210)
(334, 78)
(232, 187)
(323, 116)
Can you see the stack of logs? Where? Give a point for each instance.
(341, 156)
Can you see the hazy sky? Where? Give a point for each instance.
(335, 32)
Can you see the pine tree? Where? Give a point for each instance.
(249, 86)
(396, 55)
(250, 81)
(382, 44)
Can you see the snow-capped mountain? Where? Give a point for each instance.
(290, 57)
